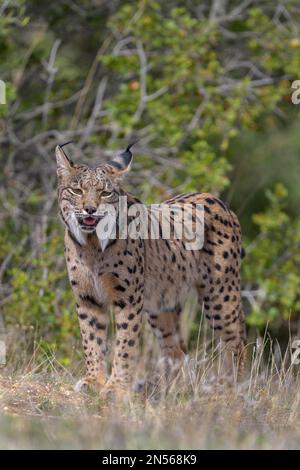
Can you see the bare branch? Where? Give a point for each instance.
(95, 112)
(51, 70)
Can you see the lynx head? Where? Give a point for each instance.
(83, 191)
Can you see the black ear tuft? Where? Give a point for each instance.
(131, 145)
(66, 143)
(61, 146)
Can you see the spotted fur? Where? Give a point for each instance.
(145, 276)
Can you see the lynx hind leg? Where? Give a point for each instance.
(223, 310)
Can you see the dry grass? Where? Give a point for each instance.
(39, 409)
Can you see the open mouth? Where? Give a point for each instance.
(89, 223)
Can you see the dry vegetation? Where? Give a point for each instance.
(39, 408)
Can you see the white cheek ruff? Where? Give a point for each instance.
(75, 229)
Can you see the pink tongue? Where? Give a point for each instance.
(89, 221)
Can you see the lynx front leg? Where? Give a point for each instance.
(128, 325)
(93, 321)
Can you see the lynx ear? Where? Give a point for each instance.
(64, 165)
(121, 163)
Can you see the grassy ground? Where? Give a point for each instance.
(39, 409)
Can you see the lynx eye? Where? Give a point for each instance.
(106, 193)
(76, 191)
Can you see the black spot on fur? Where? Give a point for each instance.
(91, 300)
(120, 288)
(210, 201)
(83, 316)
(218, 307)
(120, 303)
(217, 317)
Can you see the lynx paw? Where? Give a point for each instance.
(83, 385)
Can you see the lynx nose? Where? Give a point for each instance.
(90, 209)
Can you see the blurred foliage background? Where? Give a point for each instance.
(205, 86)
